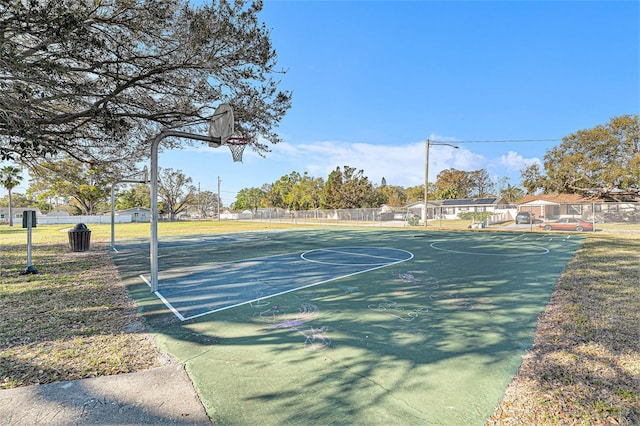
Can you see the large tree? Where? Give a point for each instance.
(272, 196)
(209, 204)
(138, 195)
(87, 186)
(416, 193)
(533, 178)
(296, 192)
(510, 193)
(597, 160)
(10, 178)
(392, 195)
(307, 193)
(96, 78)
(176, 192)
(348, 188)
(481, 183)
(249, 199)
(281, 191)
(453, 183)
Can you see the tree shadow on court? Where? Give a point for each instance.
(434, 341)
(373, 359)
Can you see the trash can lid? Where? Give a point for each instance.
(80, 226)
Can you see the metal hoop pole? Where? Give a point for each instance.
(153, 244)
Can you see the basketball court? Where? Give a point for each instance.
(325, 326)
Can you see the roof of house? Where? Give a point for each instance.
(462, 202)
(19, 209)
(471, 201)
(135, 209)
(559, 199)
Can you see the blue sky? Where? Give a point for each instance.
(372, 80)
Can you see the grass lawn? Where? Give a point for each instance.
(74, 320)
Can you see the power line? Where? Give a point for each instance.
(500, 141)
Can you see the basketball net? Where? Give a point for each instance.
(237, 146)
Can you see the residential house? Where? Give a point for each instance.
(451, 209)
(556, 206)
(17, 214)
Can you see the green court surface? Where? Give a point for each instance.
(343, 326)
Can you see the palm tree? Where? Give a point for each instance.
(10, 178)
(512, 193)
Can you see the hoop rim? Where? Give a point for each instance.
(237, 141)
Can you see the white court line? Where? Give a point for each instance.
(302, 256)
(183, 318)
(212, 266)
(165, 301)
(544, 251)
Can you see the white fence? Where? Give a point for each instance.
(54, 220)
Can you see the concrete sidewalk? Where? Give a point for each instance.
(160, 396)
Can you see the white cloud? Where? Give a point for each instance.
(516, 162)
(402, 165)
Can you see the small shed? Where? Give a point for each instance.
(138, 214)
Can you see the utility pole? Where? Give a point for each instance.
(425, 212)
(219, 199)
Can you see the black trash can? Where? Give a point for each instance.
(79, 237)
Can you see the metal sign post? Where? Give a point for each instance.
(29, 222)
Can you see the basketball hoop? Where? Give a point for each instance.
(221, 125)
(237, 146)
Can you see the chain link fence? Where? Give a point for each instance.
(356, 217)
(622, 213)
(592, 212)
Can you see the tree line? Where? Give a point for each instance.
(85, 189)
(348, 188)
(78, 188)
